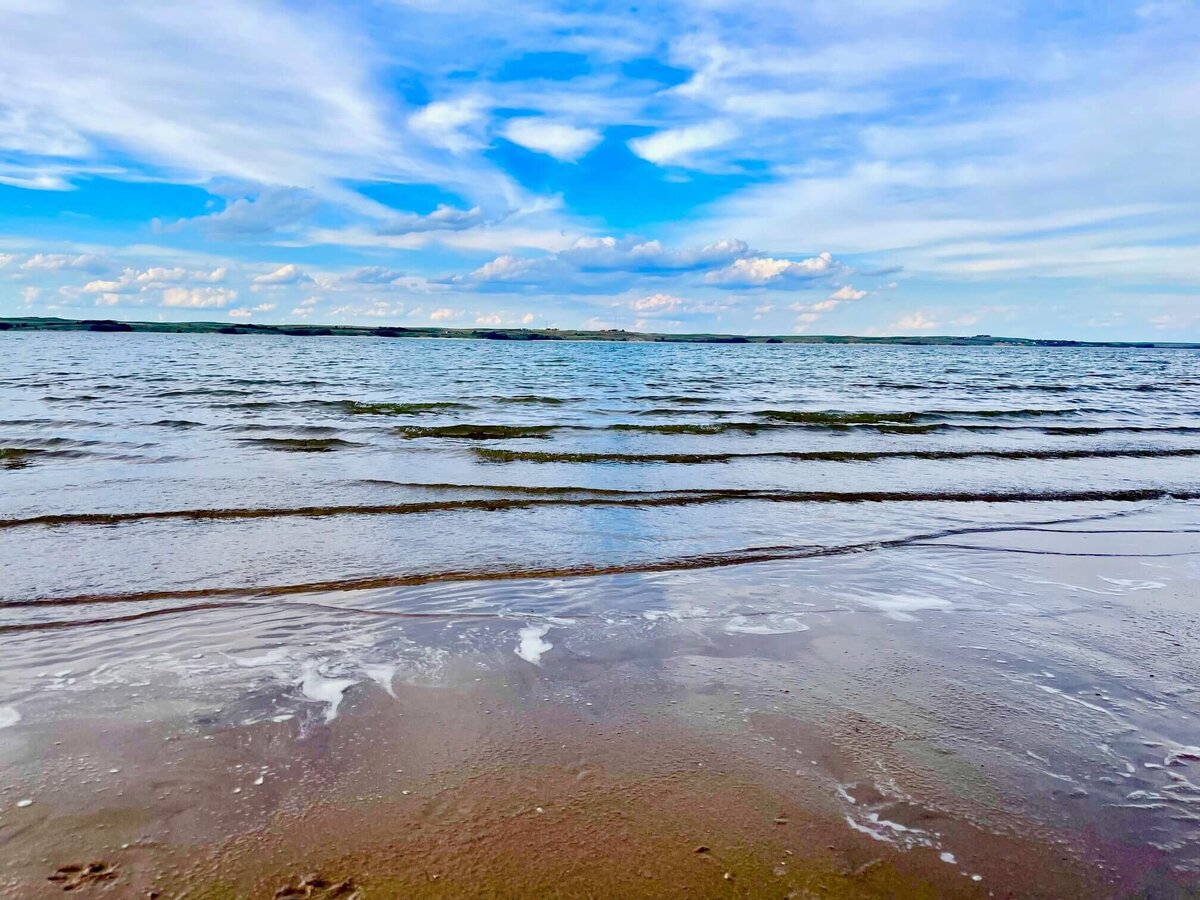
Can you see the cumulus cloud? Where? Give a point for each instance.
(242, 312)
(680, 146)
(376, 275)
(446, 314)
(765, 270)
(916, 321)
(489, 319)
(286, 274)
(811, 312)
(198, 297)
(599, 256)
(847, 292)
(272, 210)
(444, 218)
(558, 139)
(656, 303)
(608, 264)
(451, 124)
(134, 281)
(372, 309)
(610, 253)
(54, 262)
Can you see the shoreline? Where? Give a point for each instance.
(471, 790)
(12, 324)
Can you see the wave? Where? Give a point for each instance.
(839, 417)
(877, 422)
(44, 448)
(221, 597)
(358, 408)
(176, 423)
(501, 455)
(476, 432)
(586, 497)
(205, 392)
(689, 428)
(301, 445)
(531, 399)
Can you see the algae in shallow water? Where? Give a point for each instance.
(301, 445)
(357, 408)
(476, 432)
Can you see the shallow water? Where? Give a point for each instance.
(993, 550)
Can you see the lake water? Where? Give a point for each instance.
(994, 550)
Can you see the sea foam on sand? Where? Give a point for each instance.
(531, 646)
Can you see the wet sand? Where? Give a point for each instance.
(463, 791)
(691, 764)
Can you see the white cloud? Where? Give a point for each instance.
(656, 303)
(202, 90)
(271, 210)
(601, 260)
(678, 146)
(503, 268)
(490, 319)
(286, 274)
(446, 314)
(377, 275)
(916, 321)
(372, 309)
(765, 270)
(451, 124)
(245, 313)
(54, 262)
(847, 293)
(135, 281)
(198, 297)
(560, 140)
(444, 218)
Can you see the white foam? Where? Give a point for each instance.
(764, 625)
(319, 689)
(531, 646)
(949, 858)
(270, 658)
(1134, 585)
(383, 675)
(889, 832)
(902, 606)
(9, 715)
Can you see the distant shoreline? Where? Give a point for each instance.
(555, 334)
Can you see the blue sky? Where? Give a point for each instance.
(815, 166)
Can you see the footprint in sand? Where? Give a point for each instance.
(74, 877)
(314, 887)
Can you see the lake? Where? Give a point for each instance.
(938, 603)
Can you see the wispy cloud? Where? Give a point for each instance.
(982, 152)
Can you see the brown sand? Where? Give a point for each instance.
(470, 792)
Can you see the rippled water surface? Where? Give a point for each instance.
(993, 547)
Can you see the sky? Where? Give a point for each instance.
(1026, 168)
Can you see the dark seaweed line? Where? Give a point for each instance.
(643, 500)
(500, 455)
(1031, 552)
(483, 432)
(746, 556)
